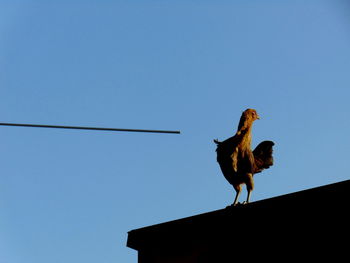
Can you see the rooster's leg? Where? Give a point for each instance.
(238, 191)
(248, 196)
(250, 186)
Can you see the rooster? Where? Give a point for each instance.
(237, 161)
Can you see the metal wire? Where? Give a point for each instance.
(85, 128)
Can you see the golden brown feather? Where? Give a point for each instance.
(237, 161)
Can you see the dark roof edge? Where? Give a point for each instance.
(309, 199)
(255, 203)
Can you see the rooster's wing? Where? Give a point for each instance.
(227, 153)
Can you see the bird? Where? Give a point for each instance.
(237, 161)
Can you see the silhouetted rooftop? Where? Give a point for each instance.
(310, 214)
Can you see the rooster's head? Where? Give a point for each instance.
(250, 114)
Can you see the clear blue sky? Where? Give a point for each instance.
(72, 196)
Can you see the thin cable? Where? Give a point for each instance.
(85, 128)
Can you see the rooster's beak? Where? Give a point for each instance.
(257, 117)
